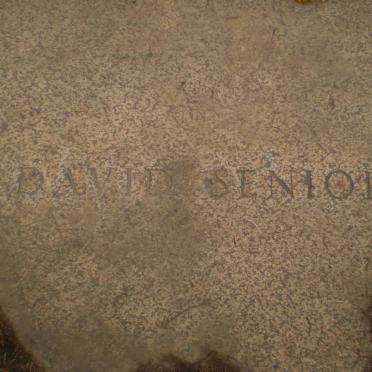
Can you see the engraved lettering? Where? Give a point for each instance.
(369, 187)
(215, 185)
(284, 186)
(243, 182)
(30, 180)
(71, 180)
(129, 180)
(163, 178)
(346, 177)
(5, 195)
(309, 184)
(93, 175)
(177, 177)
(71, 183)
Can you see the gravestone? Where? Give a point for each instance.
(181, 176)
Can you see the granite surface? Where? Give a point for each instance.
(183, 175)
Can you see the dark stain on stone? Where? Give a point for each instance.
(13, 356)
(310, 1)
(368, 314)
(211, 361)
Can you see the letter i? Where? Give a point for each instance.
(369, 188)
(309, 184)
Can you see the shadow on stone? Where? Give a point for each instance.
(13, 356)
(212, 361)
(368, 367)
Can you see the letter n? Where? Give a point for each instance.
(287, 188)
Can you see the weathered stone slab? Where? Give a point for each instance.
(182, 175)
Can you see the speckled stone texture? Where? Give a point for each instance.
(146, 205)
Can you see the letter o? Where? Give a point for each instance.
(345, 194)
